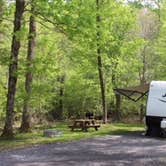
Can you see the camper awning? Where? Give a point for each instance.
(133, 93)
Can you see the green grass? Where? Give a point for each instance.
(36, 137)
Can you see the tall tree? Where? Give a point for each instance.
(26, 117)
(12, 81)
(149, 25)
(99, 60)
(160, 46)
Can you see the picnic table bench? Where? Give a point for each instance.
(84, 124)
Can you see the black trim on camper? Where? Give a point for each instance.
(153, 126)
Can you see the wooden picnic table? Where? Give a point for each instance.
(84, 124)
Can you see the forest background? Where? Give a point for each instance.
(60, 59)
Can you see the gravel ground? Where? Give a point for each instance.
(122, 150)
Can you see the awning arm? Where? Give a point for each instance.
(133, 93)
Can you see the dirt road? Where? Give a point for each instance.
(122, 150)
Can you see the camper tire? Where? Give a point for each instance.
(163, 133)
(153, 131)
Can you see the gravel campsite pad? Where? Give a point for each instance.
(122, 150)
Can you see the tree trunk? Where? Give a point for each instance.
(61, 80)
(142, 78)
(118, 104)
(100, 65)
(12, 80)
(142, 82)
(26, 117)
(57, 112)
(141, 112)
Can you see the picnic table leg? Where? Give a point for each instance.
(84, 127)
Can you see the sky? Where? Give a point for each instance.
(145, 2)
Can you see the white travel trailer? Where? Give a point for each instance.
(156, 109)
(156, 104)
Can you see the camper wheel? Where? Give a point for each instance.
(163, 133)
(153, 131)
